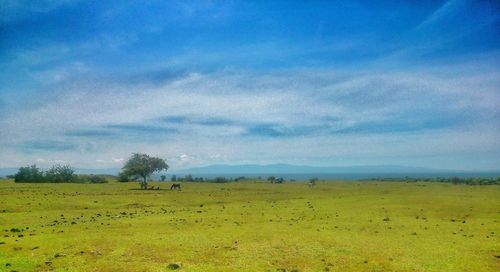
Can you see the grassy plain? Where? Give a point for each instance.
(250, 226)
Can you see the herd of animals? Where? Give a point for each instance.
(177, 186)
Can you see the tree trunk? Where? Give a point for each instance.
(144, 184)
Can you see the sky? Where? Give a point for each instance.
(320, 83)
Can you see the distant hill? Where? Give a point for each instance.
(103, 171)
(301, 169)
(7, 171)
(301, 172)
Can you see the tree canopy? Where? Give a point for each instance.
(143, 165)
(56, 174)
(29, 173)
(60, 173)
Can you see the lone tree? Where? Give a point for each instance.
(142, 166)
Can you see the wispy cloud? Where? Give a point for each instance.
(448, 7)
(139, 128)
(14, 10)
(89, 133)
(47, 145)
(193, 120)
(360, 107)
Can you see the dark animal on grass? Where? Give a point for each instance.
(175, 186)
(312, 182)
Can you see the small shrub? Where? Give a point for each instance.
(220, 180)
(122, 177)
(173, 266)
(91, 179)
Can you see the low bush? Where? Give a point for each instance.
(453, 180)
(91, 179)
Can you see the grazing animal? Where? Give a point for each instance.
(175, 186)
(312, 182)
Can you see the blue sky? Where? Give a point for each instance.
(202, 82)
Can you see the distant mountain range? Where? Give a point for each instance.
(301, 172)
(298, 171)
(302, 169)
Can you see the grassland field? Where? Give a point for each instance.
(250, 226)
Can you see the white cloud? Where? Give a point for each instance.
(321, 98)
(448, 7)
(60, 74)
(14, 10)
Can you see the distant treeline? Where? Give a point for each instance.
(56, 174)
(454, 180)
(190, 178)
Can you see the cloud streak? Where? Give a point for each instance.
(47, 145)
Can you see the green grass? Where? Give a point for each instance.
(248, 226)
